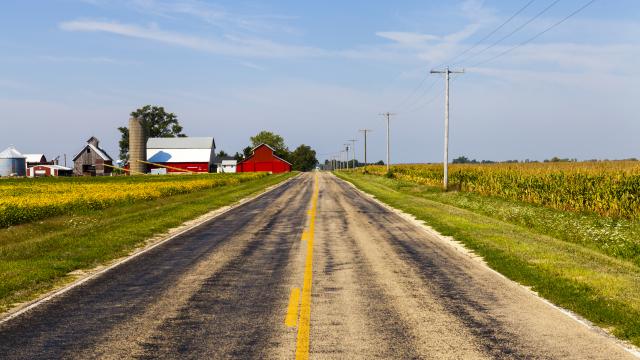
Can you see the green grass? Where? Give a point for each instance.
(36, 257)
(581, 262)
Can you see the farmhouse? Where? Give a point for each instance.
(49, 170)
(228, 166)
(91, 160)
(263, 159)
(194, 154)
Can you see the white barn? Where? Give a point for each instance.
(195, 154)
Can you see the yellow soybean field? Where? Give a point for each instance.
(25, 200)
(608, 188)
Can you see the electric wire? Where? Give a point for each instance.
(575, 12)
(424, 104)
(423, 95)
(522, 26)
(416, 100)
(486, 37)
(415, 90)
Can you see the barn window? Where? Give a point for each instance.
(88, 151)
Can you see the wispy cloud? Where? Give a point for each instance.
(434, 48)
(252, 65)
(228, 45)
(210, 13)
(91, 60)
(407, 38)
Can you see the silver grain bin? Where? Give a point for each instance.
(12, 163)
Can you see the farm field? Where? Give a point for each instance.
(25, 200)
(315, 269)
(85, 222)
(580, 256)
(608, 188)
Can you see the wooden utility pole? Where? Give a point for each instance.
(388, 116)
(346, 156)
(353, 151)
(447, 72)
(365, 131)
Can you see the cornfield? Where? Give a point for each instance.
(26, 200)
(608, 188)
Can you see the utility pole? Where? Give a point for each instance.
(365, 131)
(346, 156)
(447, 72)
(353, 151)
(388, 116)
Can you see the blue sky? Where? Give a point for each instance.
(318, 72)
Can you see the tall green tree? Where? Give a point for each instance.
(156, 122)
(246, 152)
(303, 158)
(274, 140)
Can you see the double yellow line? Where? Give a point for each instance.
(302, 340)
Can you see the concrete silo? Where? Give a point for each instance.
(12, 163)
(137, 146)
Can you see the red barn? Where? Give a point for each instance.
(49, 170)
(263, 159)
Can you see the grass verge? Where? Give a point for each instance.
(576, 275)
(36, 257)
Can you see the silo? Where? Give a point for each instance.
(12, 163)
(137, 146)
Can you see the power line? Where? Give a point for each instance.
(424, 104)
(522, 26)
(411, 93)
(422, 96)
(412, 104)
(491, 33)
(537, 35)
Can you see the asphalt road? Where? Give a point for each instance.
(377, 286)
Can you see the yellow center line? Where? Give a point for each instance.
(292, 311)
(302, 341)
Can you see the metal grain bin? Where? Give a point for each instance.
(12, 163)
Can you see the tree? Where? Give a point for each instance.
(222, 153)
(246, 152)
(461, 160)
(274, 140)
(303, 158)
(156, 122)
(238, 156)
